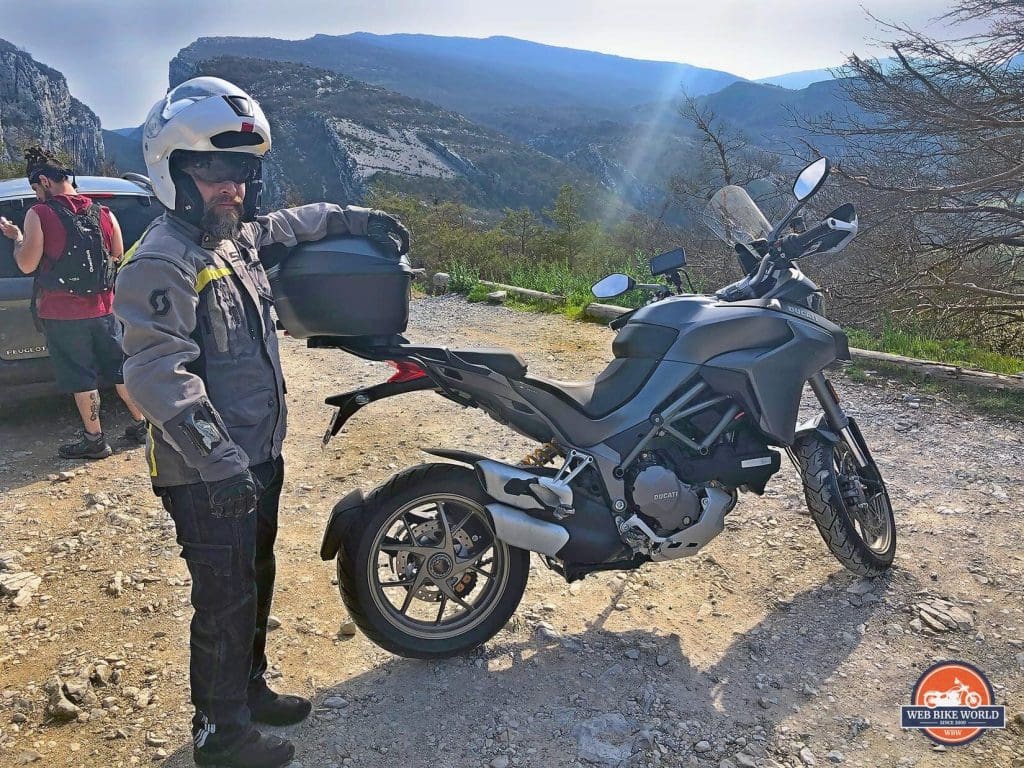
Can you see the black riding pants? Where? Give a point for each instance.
(231, 561)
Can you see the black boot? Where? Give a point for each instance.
(87, 447)
(255, 750)
(136, 432)
(271, 708)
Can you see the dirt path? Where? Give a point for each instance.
(760, 651)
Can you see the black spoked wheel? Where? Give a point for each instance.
(849, 504)
(426, 576)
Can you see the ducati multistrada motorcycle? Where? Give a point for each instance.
(640, 464)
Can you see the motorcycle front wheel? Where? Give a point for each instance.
(850, 504)
(422, 574)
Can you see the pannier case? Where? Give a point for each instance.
(343, 285)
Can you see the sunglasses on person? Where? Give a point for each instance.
(236, 169)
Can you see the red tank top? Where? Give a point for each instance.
(61, 305)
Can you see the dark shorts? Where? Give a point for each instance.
(86, 354)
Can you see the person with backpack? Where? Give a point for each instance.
(72, 244)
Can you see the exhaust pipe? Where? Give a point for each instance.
(515, 527)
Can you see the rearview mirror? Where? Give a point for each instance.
(613, 285)
(810, 179)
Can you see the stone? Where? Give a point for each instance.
(701, 747)
(499, 762)
(807, 757)
(348, 629)
(943, 616)
(547, 632)
(154, 740)
(497, 297)
(102, 675)
(79, 692)
(273, 623)
(116, 586)
(661, 661)
(20, 585)
(835, 756)
(335, 702)
(861, 587)
(9, 560)
(440, 282)
(743, 760)
(57, 705)
(605, 739)
(29, 756)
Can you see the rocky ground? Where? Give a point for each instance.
(759, 651)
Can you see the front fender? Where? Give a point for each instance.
(344, 514)
(818, 424)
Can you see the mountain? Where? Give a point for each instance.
(37, 108)
(124, 151)
(514, 86)
(333, 136)
(797, 80)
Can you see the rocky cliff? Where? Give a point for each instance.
(335, 137)
(36, 107)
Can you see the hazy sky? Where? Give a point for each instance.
(114, 53)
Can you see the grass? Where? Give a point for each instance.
(954, 352)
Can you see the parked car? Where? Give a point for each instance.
(25, 368)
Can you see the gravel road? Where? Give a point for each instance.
(759, 651)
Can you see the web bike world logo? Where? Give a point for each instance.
(952, 704)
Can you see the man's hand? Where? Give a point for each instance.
(10, 229)
(234, 496)
(385, 229)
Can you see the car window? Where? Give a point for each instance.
(133, 214)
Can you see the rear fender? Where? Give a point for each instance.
(348, 403)
(344, 515)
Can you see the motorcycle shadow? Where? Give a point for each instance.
(535, 693)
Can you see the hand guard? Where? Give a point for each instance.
(235, 496)
(385, 229)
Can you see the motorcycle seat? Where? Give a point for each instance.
(601, 395)
(503, 361)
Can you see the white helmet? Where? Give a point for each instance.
(204, 114)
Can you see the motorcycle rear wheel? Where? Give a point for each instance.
(850, 505)
(422, 574)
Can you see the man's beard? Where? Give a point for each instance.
(221, 221)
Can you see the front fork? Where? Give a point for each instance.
(835, 417)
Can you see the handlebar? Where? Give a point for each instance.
(793, 246)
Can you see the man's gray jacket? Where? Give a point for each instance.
(202, 356)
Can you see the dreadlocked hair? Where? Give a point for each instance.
(40, 161)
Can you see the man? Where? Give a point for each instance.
(203, 364)
(74, 243)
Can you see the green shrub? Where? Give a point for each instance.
(462, 278)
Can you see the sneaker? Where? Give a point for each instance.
(136, 432)
(255, 750)
(87, 447)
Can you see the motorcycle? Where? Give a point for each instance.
(960, 695)
(640, 464)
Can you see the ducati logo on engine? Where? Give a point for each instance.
(663, 496)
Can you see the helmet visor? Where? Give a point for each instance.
(219, 167)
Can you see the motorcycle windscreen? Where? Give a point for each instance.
(734, 217)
